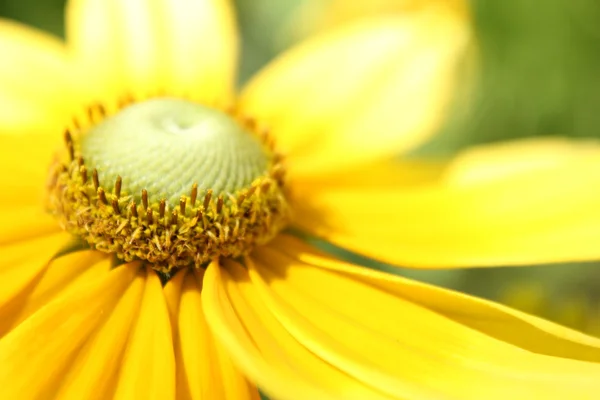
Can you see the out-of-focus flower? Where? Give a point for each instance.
(163, 173)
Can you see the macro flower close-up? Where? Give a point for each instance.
(164, 233)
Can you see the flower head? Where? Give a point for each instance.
(165, 174)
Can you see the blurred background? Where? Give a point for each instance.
(537, 74)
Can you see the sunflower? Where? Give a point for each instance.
(153, 221)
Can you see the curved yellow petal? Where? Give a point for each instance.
(35, 355)
(36, 90)
(366, 329)
(203, 369)
(92, 374)
(262, 349)
(181, 47)
(494, 319)
(361, 92)
(21, 265)
(147, 370)
(29, 238)
(57, 277)
(28, 241)
(521, 203)
(172, 293)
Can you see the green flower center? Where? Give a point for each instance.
(165, 145)
(171, 182)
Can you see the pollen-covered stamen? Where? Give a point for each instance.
(172, 182)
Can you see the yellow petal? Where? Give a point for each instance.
(29, 238)
(92, 374)
(148, 364)
(361, 92)
(392, 173)
(34, 73)
(35, 354)
(204, 370)
(528, 203)
(58, 277)
(504, 323)
(21, 223)
(25, 161)
(317, 15)
(380, 339)
(172, 293)
(21, 265)
(145, 47)
(264, 351)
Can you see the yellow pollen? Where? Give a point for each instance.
(169, 181)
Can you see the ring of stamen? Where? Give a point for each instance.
(201, 225)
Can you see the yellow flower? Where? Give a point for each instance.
(79, 323)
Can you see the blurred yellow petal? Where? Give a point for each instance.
(392, 173)
(359, 93)
(59, 277)
(23, 229)
(20, 266)
(35, 355)
(516, 204)
(204, 370)
(148, 364)
(145, 47)
(405, 349)
(36, 89)
(93, 372)
(20, 223)
(505, 159)
(25, 160)
(23, 218)
(316, 15)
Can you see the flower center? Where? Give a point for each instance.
(171, 182)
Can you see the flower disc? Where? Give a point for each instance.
(165, 145)
(171, 182)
